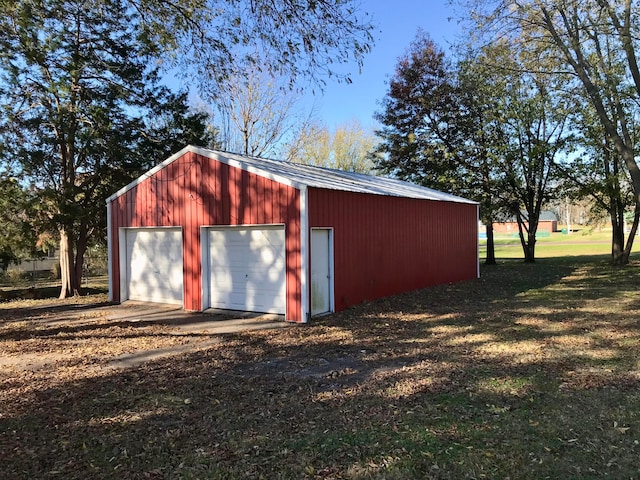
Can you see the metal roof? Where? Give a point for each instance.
(299, 176)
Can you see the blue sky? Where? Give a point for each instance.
(397, 24)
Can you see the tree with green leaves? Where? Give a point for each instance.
(419, 137)
(599, 175)
(17, 235)
(535, 122)
(210, 40)
(483, 140)
(78, 85)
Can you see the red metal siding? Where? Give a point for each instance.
(387, 245)
(194, 191)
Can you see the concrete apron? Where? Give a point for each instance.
(210, 323)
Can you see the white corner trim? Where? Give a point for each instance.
(204, 271)
(478, 239)
(304, 253)
(122, 250)
(332, 284)
(109, 253)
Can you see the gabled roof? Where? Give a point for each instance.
(301, 176)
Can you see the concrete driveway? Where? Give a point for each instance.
(192, 330)
(211, 322)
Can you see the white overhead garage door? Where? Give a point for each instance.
(247, 268)
(154, 265)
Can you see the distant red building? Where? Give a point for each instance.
(548, 222)
(207, 229)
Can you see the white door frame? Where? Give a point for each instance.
(332, 304)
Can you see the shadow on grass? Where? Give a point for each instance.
(530, 372)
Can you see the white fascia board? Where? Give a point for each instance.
(221, 157)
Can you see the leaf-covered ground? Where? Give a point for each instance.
(531, 372)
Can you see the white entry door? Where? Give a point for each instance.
(321, 283)
(154, 265)
(247, 268)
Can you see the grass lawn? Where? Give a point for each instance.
(531, 372)
(577, 243)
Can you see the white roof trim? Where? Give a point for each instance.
(301, 176)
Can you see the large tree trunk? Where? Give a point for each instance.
(617, 231)
(528, 243)
(530, 247)
(491, 249)
(617, 244)
(632, 235)
(70, 281)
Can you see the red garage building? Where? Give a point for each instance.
(207, 229)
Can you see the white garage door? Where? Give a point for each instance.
(247, 269)
(154, 265)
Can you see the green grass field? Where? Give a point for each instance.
(556, 245)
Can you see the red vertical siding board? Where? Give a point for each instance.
(253, 199)
(144, 203)
(170, 201)
(233, 196)
(225, 194)
(156, 211)
(260, 200)
(214, 199)
(268, 202)
(146, 200)
(218, 172)
(208, 192)
(293, 253)
(149, 203)
(199, 206)
(136, 200)
(204, 193)
(159, 199)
